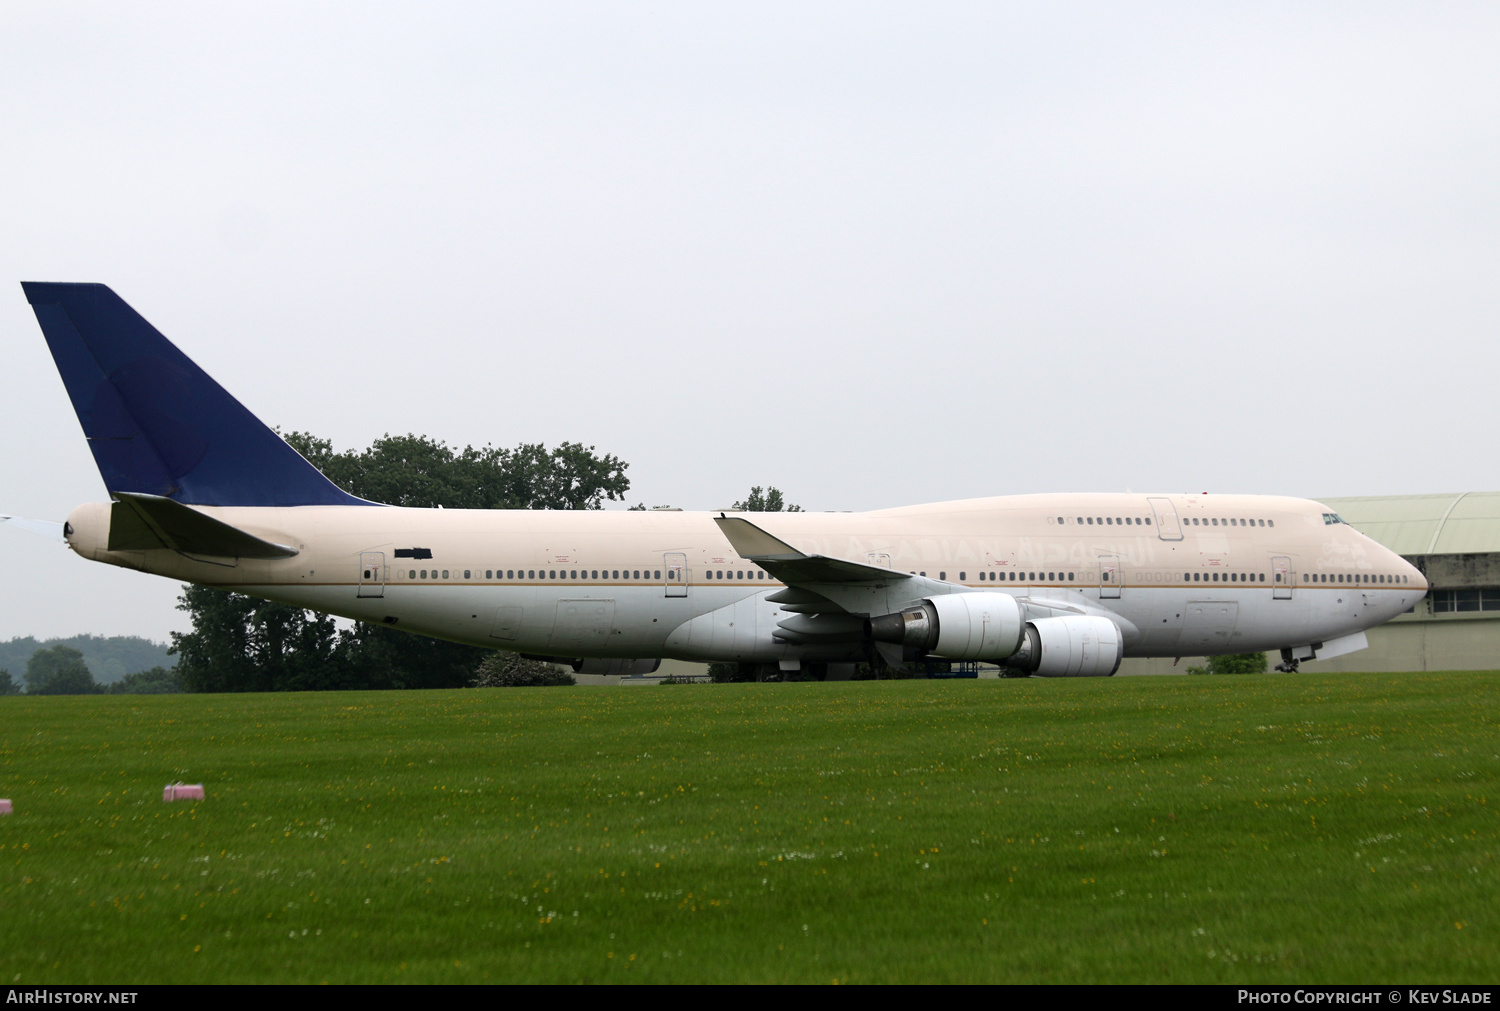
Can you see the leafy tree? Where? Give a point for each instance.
(413, 470)
(765, 501)
(109, 657)
(512, 670)
(59, 671)
(156, 681)
(1233, 663)
(8, 685)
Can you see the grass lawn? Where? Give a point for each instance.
(1274, 828)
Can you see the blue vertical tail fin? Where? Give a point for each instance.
(156, 422)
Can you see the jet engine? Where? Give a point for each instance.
(992, 626)
(961, 626)
(1077, 646)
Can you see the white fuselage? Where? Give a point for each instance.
(1186, 575)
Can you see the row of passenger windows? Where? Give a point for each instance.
(1109, 521)
(1191, 521)
(1013, 577)
(532, 574)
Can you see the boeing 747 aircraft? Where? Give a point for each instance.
(1055, 585)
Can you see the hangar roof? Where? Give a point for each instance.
(1451, 524)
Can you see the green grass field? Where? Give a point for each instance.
(1279, 828)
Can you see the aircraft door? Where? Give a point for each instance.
(1281, 578)
(1109, 576)
(675, 563)
(1167, 527)
(371, 574)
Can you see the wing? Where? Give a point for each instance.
(830, 597)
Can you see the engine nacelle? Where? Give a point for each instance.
(960, 626)
(1074, 646)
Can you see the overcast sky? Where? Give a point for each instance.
(873, 254)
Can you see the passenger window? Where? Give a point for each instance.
(445, 573)
(1080, 519)
(466, 573)
(962, 576)
(1070, 577)
(412, 574)
(1109, 521)
(943, 576)
(1148, 521)
(1091, 521)
(658, 574)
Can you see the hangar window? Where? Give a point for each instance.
(1483, 599)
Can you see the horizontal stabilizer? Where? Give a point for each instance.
(149, 522)
(791, 566)
(157, 423)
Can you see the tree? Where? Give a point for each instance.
(415, 471)
(768, 502)
(1233, 663)
(156, 681)
(59, 671)
(512, 670)
(8, 685)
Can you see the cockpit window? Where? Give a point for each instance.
(1331, 518)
